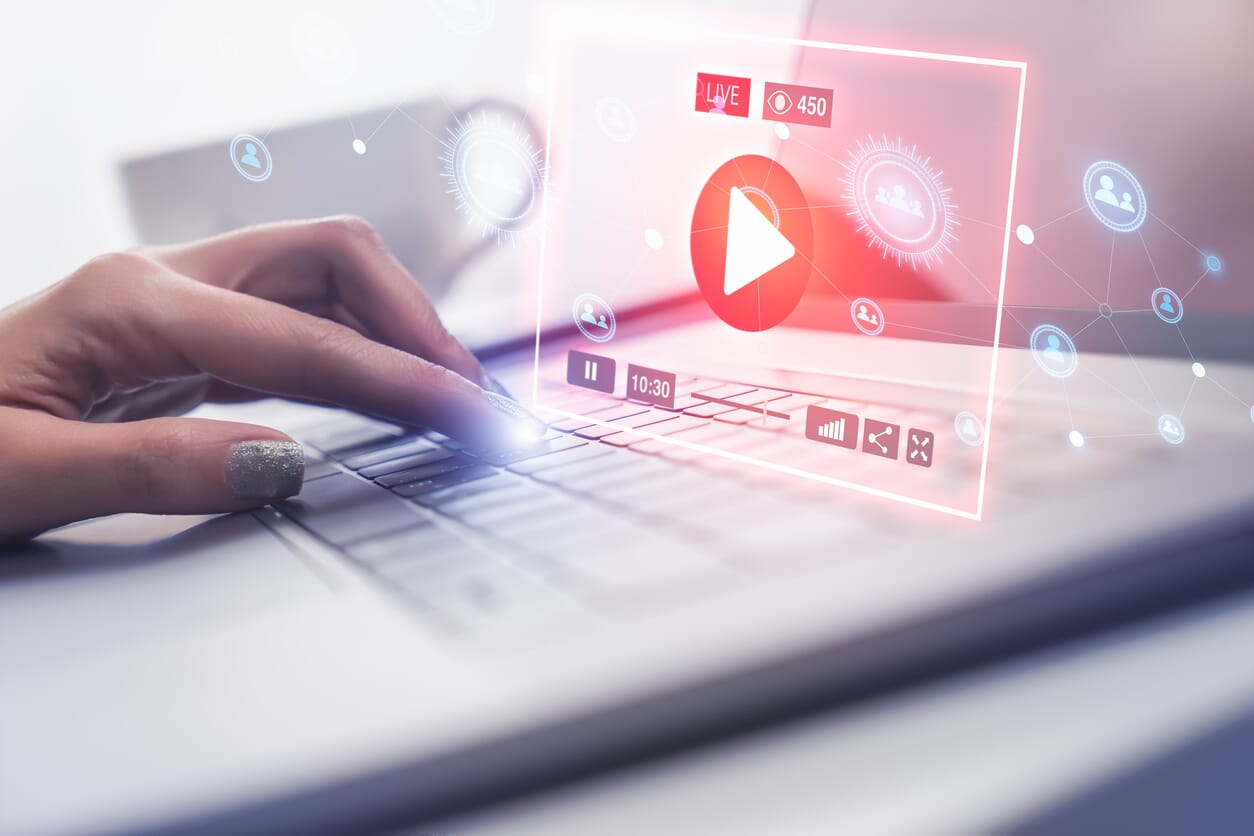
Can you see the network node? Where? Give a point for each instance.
(494, 173)
(1053, 351)
(1076, 438)
(1171, 429)
(1114, 196)
(1167, 304)
(594, 317)
(781, 130)
(1199, 370)
(1026, 235)
(251, 157)
(1105, 310)
(359, 147)
(970, 429)
(616, 119)
(899, 201)
(1213, 264)
(653, 239)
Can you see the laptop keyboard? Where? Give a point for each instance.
(590, 519)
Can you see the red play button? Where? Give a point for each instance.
(752, 243)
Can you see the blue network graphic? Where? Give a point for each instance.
(1116, 199)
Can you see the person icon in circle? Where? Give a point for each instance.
(1166, 305)
(1053, 350)
(250, 156)
(1106, 194)
(590, 317)
(867, 317)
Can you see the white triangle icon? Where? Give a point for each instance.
(754, 246)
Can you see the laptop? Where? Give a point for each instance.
(843, 394)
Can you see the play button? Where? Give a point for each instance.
(754, 245)
(751, 243)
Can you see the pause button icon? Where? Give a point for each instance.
(591, 371)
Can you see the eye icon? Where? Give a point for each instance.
(779, 103)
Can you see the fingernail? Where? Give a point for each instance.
(529, 426)
(265, 469)
(491, 384)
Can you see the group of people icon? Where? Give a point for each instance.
(867, 316)
(589, 316)
(1106, 194)
(496, 173)
(897, 200)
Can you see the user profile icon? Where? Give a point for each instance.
(615, 119)
(1054, 351)
(969, 428)
(1168, 306)
(251, 158)
(1114, 196)
(867, 316)
(1171, 428)
(594, 317)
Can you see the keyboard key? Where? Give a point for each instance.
(319, 469)
(501, 482)
(389, 452)
(405, 462)
(544, 448)
(425, 548)
(444, 480)
(418, 474)
(343, 508)
(574, 454)
(341, 438)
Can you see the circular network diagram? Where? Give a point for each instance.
(494, 173)
(752, 243)
(899, 201)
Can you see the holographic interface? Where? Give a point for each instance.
(795, 193)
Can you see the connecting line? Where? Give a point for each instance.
(816, 269)
(1186, 343)
(1065, 273)
(381, 124)
(1205, 273)
(1115, 388)
(1066, 390)
(1121, 435)
(943, 333)
(1187, 397)
(1110, 268)
(750, 407)
(1173, 231)
(631, 274)
(1087, 327)
(1153, 266)
(1003, 395)
(1137, 366)
(1059, 218)
(1232, 394)
(997, 227)
(418, 124)
(974, 277)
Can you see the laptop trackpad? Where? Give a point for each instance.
(90, 589)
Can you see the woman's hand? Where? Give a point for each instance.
(316, 311)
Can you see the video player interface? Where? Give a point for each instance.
(798, 192)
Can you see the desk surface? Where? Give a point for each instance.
(1061, 737)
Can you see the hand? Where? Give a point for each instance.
(317, 311)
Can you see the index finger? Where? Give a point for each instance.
(360, 273)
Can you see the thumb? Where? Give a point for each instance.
(158, 466)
